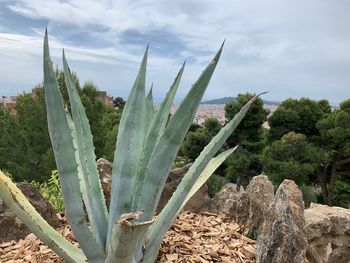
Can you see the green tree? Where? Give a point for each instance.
(250, 136)
(292, 157)
(25, 148)
(25, 144)
(110, 124)
(119, 103)
(8, 140)
(334, 130)
(300, 116)
(198, 138)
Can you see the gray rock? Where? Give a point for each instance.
(340, 255)
(260, 193)
(225, 201)
(242, 209)
(282, 236)
(327, 227)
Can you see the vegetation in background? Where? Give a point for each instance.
(334, 129)
(25, 147)
(300, 116)
(250, 136)
(292, 157)
(198, 137)
(327, 132)
(51, 191)
(119, 103)
(215, 183)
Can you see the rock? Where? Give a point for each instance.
(104, 168)
(327, 227)
(11, 227)
(242, 208)
(338, 219)
(282, 237)
(260, 193)
(225, 201)
(340, 255)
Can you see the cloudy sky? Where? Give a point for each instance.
(298, 48)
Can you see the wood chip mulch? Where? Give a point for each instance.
(193, 238)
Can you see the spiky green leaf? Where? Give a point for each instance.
(18, 203)
(129, 148)
(163, 221)
(150, 112)
(90, 183)
(62, 143)
(169, 143)
(155, 131)
(179, 196)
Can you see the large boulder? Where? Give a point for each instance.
(328, 233)
(260, 193)
(254, 202)
(11, 227)
(282, 237)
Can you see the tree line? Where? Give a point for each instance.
(305, 141)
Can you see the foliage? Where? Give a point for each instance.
(51, 191)
(119, 103)
(25, 144)
(291, 157)
(25, 147)
(145, 152)
(334, 129)
(250, 135)
(342, 191)
(215, 183)
(244, 166)
(300, 116)
(197, 139)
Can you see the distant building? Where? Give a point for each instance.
(9, 103)
(108, 100)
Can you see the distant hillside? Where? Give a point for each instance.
(226, 99)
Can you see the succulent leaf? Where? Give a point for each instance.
(18, 203)
(63, 146)
(150, 111)
(180, 195)
(162, 223)
(169, 143)
(129, 149)
(156, 129)
(90, 183)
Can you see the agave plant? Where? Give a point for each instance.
(147, 145)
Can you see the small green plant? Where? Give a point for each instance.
(51, 191)
(147, 145)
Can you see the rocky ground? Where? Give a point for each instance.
(201, 238)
